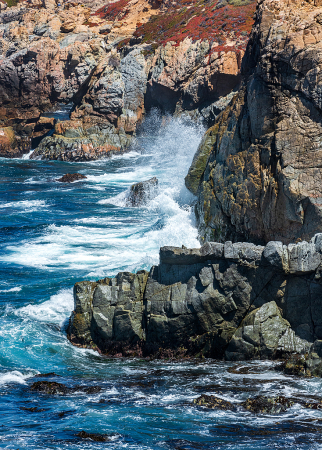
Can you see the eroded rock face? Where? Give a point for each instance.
(54, 53)
(257, 172)
(236, 301)
(191, 75)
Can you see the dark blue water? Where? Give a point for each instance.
(54, 234)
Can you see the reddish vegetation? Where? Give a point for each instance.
(216, 21)
(201, 20)
(113, 11)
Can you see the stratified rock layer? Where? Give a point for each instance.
(257, 173)
(238, 301)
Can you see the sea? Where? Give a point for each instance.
(54, 234)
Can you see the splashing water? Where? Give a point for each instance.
(54, 234)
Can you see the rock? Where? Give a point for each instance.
(277, 255)
(93, 436)
(253, 179)
(49, 387)
(43, 126)
(71, 177)
(54, 388)
(142, 192)
(105, 123)
(32, 409)
(46, 375)
(68, 26)
(222, 300)
(51, 54)
(267, 405)
(105, 29)
(264, 334)
(12, 146)
(210, 401)
(187, 75)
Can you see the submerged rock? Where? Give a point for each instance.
(267, 405)
(143, 191)
(71, 177)
(54, 388)
(33, 409)
(49, 387)
(93, 436)
(210, 401)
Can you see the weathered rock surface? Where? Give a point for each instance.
(88, 56)
(143, 191)
(210, 401)
(234, 300)
(71, 177)
(257, 172)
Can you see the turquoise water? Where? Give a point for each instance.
(55, 234)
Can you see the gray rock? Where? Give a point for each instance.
(264, 334)
(142, 192)
(105, 29)
(237, 301)
(277, 255)
(303, 257)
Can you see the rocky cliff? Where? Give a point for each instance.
(257, 173)
(112, 62)
(233, 301)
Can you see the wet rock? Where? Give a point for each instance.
(210, 401)
(71, 177)
(46, 375)
(54, 388)
(89, 390)
(63, 414)
(93, 436)
(142, 192)
(32, 409)
(49, 387)
(267, 405)
(220, 300)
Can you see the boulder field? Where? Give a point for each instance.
(112, 62)
(236, 301)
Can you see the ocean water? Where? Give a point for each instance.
(54, 234)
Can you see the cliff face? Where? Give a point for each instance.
(111, 62)
(238, 301)
(257, 173)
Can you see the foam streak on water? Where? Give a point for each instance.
(53, 235)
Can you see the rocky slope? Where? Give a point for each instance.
(257, 173)
(112, 62)
(237, 301)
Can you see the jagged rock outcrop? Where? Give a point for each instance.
(238, 301)
(87, 55)
(257, 173)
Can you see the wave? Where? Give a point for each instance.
(26, 205)
(14, 376)
(54, 310)
(15, 289)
